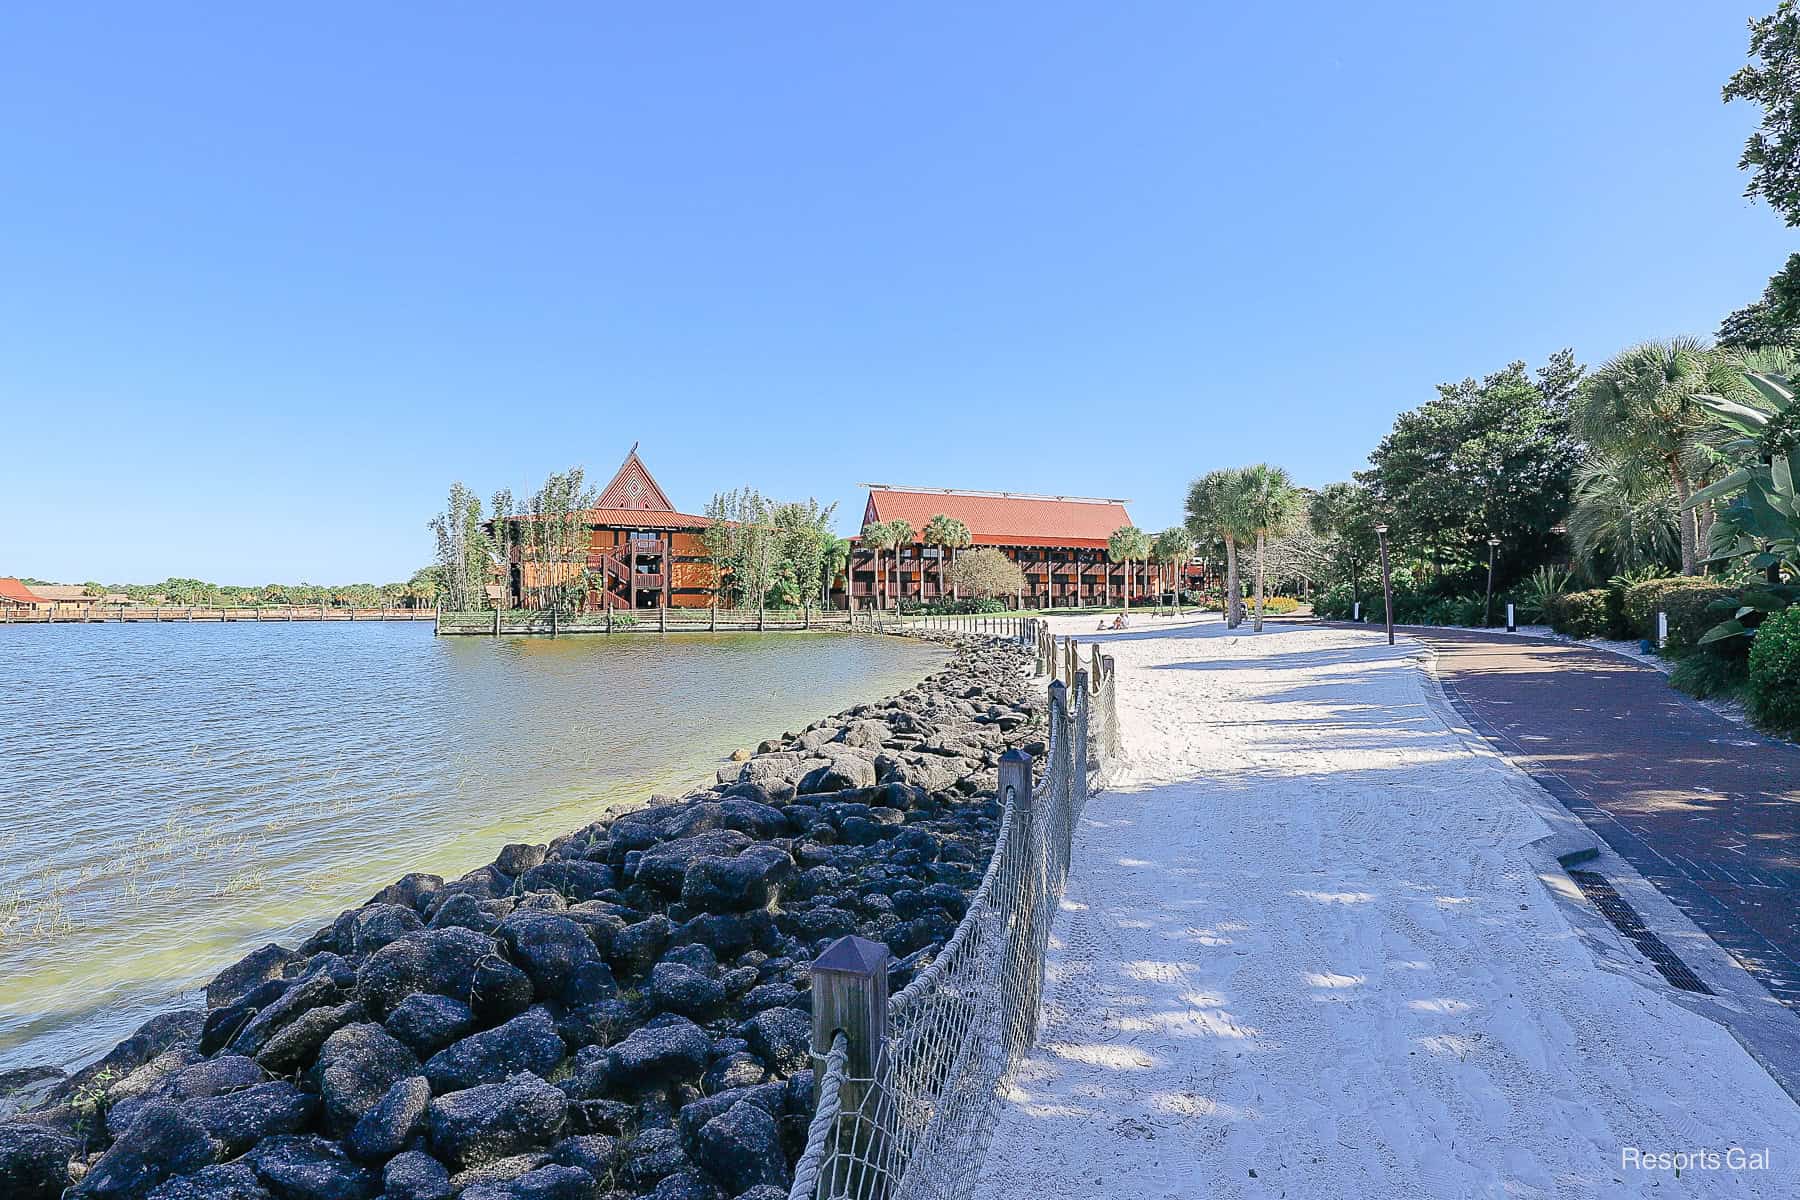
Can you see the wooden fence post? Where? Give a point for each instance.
(662, 618)
(850, 996)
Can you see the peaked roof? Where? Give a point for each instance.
(632, 487)
(18, 593)
(1002, 518)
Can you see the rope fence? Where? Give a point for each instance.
(909, 1088)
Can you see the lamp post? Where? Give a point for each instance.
(1487, 613)
(1387, 587)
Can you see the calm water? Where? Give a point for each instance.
(172, 796)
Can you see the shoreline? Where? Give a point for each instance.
(550, 953)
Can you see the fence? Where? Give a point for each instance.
(549, 622)
(908, 1088)
(68, 613)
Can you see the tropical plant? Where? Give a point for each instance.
(1772, 79)
(1623, 516)
(1217, 508)
(1172, 548)
(945, 534)
(1343, 515)
(1128, 544)
(462, 551)
(878, 536)
(1271, 504)
(987, 574)
(1774, 683)
(834, 561)
(901, 534)
(1538, 590)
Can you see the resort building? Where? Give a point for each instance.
(641, 552)
(1059, 541)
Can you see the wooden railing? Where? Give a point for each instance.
(94, 613)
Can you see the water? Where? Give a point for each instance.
(172, 796)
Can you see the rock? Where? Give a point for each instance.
(440, 961)
(297, 1044)
(223, 1024)
(781, 1037)
(686, 1185)
(230, 1181)
(727, 934)
(425, 1023)
(309, 1168)
(682, 989)
(572, 878)
(764, 1191)
(499, 992)
(238, 1120)
(415, 890)
(163, 1141)
(759, 820)
(34, 1162)
(320, 986)
(357, 1065)
(154, 1037)
(667, 1049)
(653, 1155)
(415, 1175)
(665, 865)
(825, 922)
(595, 1153)
(247, 974)
(740, 755)
(738, 1070)
(500, 1172)
(378, 925)
(526, 1043)
(493, 1120)
(637, 946)
(552, 1182)
(552, 950)
(208, 1077)
(742, 1148)
(386, 1128)
(749, 880)
(463, 911)
(517, 858)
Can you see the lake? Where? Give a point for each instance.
(172, 796)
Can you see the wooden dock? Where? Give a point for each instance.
(68, 614)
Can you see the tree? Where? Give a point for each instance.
(1341, 514)
(947, 534)
(900, 532)
(1773, 321)
(1772, 79)
(1760, 526)
(462, 551)
(1643, 405)
(802, 531)
(878, 536)
(834, 560)
(1623, 517)
(1172, 547)
(1271, 504)
(986, 574)
(1217, 508)
(1128, 544)
(1489, 456)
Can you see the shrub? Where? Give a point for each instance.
(1688, 595)
(1705, 674)
(954, 608)
(1334, 603)
(1774, 683)
(1275, 605)
(1581, 614)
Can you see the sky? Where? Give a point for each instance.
(271, 278)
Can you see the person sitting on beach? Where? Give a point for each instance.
(1119, 621)
(1102, 628)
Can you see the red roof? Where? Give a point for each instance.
(12, 589)
(1003, 518)
(633, 487)
(644, 518)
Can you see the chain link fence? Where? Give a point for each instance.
(907, 1103)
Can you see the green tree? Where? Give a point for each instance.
(1773, 321)
(987, 574)
(462, 554)
(1271, 505)
(1493, 455)
(1128, 544)
(1172, 547)
(1643, 405)
(1217, 508)
(802, 533)
(1771, 79)
(1623, 517)
(878, 536)
(1342, 514)
(900, 532)
(834, 562)
(947, 534)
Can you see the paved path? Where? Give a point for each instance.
(1705, 809)
(1305, 952)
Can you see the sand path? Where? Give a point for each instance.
(1302, 954)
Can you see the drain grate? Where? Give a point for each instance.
(1612, 906)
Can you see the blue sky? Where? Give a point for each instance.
(270, 279)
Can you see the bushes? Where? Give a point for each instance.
(1684, 597)
(1774, 685)
(1582, 614)
(1704, 674)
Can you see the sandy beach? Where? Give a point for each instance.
(1303, 952)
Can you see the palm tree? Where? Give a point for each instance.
(1642, 405)
(945, 533)
(1271, 504)
(900, 531)
(1623, 516)
(878, 536)
(1172, 546)
(960, 539)
(1128, 544)
(1217, 507)
(835, 557)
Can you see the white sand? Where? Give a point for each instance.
(1302, 955)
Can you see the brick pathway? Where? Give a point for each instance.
(1705, 809)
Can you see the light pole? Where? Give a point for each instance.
(1387, 587)
(1487, 613)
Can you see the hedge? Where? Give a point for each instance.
(1774, 690)
(1684, 597)
(1582, 614)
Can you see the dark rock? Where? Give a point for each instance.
(601, 1023)
(297, 1043)
(637, 946)
(463, 911)
(154, 1037)
(440, 961)
(595, 1153)
(750, 880)
(526, 1043)
(652, 1155)
(844, 771)
(357, 1065)
(733, 1071)
(551, 949)
(426, 1023)
(480, 1124)
(378, 925)
(518, 858)
(742, 1148)
(686, 1185)
(247, 974)
(163, 1141)
(415, 1175)
(573, 879)
(321, 985)
(669, 1048)
(499, 991)
(230, 1181)
(540, 902)
(764, 1191)
(826, 922)
(770, 1097)
(771, 995)
(34, 1162)
(611, 1117)
(414, 890)
(238, 1120)
(760, 820)
(208, 1077)
(781, 1037)
(310, 1168)
(665, 865)
(386, 1128)
(498, 1172)
(728, 934)
(223, 1024)
(552, 1182)
(677, 988)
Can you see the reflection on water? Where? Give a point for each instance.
(174, 795)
